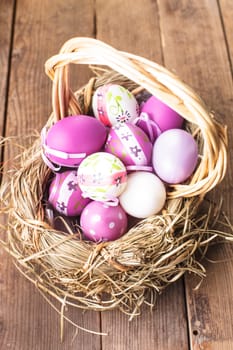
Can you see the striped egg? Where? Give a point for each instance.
(129, 143)
(65, 194)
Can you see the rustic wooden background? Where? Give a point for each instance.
(193, 38)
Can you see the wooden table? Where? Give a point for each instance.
(194, 39)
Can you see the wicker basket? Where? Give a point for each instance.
(155, 251)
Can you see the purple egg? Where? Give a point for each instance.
(129, 143)
(65, 195)
(162, 116)
(101, 222)
(72, 138)
(175, 155)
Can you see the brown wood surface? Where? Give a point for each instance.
(202, 46)
(190, 37)
(41, 27)
(150, 327)
(6, 27)
(226, 12)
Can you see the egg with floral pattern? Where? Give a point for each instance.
(114, 104)
(102, 177)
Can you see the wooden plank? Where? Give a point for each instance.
(163, 328)
(41, 27)
(198, 54)
(226, 8)
(210, 307)
(135, 28)
(6, 17)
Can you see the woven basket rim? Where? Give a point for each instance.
(158, 81)
(128, 267)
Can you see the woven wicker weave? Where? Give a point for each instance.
(157, 250)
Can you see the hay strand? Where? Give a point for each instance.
(156, 251)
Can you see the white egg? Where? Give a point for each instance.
(145, 195)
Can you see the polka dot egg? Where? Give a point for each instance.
(101, 222)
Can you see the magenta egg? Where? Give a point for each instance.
(65, 195)
(72, 138)
(162, 117)
(101, 222)
(175, 155)
(129, 143)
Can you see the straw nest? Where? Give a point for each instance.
(155, 251)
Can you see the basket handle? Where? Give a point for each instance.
(159, 82)
(81, 50)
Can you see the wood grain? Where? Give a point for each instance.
(163, 328)
(210, 307)
(130, 26)
(41, 27)
(135, 28)
(6, 17)
(199, 56)
(189, 37)
(226, 8)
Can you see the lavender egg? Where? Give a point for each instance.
(161, 115)
(175, 155)
(65, 194)
(72, 138)
(114, 104)
(101, 222)
(129, 143)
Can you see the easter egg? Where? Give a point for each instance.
(65, 195)
(72, 138)
(102, 176)
(175, 155)
(129, 143)
(144, 195)
(161, 118)
(101, 222)
(113, 104)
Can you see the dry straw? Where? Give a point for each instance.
(156, 251)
